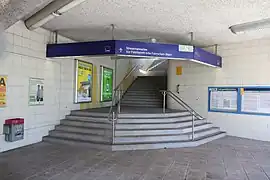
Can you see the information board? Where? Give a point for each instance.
(84, 74)
(106, 84)
(223, 99)
(256, 101)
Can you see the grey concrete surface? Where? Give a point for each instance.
(229, 158)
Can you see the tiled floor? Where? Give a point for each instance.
(227, 158)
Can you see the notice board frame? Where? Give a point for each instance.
(239, 99)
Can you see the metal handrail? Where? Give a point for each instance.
(184, 105)
(117, 95)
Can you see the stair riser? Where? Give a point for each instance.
(165, 115)
(89, 114)
(156, 126)
(147, 139)
(85, 124)
(88, 119)
(138, 100)
(165, 145)
(142, 105)
(79, 137)
(160, 132)
(142, 102)
(71, 129)
(161, 120)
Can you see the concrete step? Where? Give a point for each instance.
(152, 126)
(103, 120)
(165, 138)
(141, 105)
(80, 136)
(161, 131)
(85, 124)
(142, 95)
(90, 114)
(139, 99)
(83, 144)
(154, 120)
(165, 145)
(78, 129)
(153, 115)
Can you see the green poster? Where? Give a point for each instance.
(106, 84)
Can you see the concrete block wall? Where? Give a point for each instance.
(24, 56)
(244, 64)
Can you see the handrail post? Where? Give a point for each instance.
(113, 127)
(193, 126)
(164, 101)
(119, 101)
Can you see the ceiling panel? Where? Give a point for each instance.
(162, 19)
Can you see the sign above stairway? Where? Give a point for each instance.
(134, 49)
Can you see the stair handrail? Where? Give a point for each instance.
(117, 95)
(182, 103)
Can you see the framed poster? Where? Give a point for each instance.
(84, 80)
(36, 92)
(223, 99)
(106, 84)
(3, 91)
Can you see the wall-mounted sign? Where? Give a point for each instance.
(223, 99)
(179, 70)
(36, 91)
(106, 84)
(256, 101)
(3, 91)
(84, 79)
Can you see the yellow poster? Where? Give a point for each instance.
(84, 79)
(179, 70)
(3, 91)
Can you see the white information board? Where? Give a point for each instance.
(256, 101)
(223, 99)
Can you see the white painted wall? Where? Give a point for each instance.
(24, 57)
(243, 64)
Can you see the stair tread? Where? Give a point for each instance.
(175, 122)
(183, 141)
(180, 128)
(77, 133)
(180, 134)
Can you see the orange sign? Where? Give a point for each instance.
(3, 91)
(179, 70)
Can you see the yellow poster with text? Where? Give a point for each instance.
(3, 91)
(84, 82)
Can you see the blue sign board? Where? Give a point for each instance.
(134, 49)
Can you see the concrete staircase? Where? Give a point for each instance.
(144, 92)
(140, 125)
(133, 131)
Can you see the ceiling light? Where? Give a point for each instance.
(52, 10)
(143, 71)
(250, 26)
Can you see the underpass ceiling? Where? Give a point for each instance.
(162, 19)
(13, 10)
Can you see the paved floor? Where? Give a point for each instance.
(226, 158)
